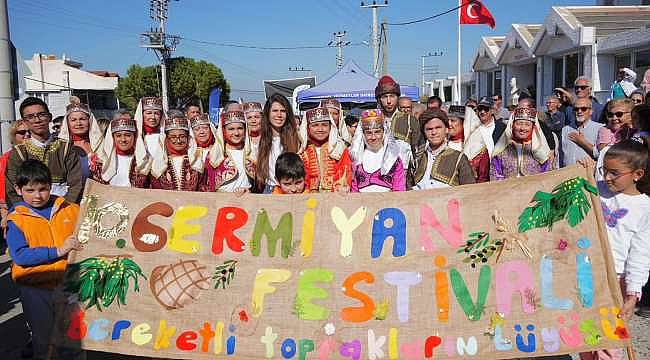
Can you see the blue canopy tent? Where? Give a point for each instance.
(349, 85)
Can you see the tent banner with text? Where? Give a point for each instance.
(512, 269)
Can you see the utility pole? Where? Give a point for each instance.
(7, 111)
(162, 43)
(384, 48)
(375, 34)
(431, 69)
(339, 43)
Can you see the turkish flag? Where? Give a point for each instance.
(474, 12)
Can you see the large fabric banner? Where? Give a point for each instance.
(502, 270)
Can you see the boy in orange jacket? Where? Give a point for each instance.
(39, 236)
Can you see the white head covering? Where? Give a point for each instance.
(229, 118)
(159, 164)
(215, 151)
(143, 160)
(95, 134)
(473, 143)
(389, 152)
(335, 145)
(109, 158)
(628, 81)
(344, 134)
(540, 148)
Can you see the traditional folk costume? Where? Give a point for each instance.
(328, 166)
(377, 171)
(153, 139)
(343, 133)
(442, 167)
(235, 168)
(124, 168)
(514, 158)
(456, 142)
(254, 137)
(60, 158)
(88, 162)
(403, 127)
(210, 150)
(478, 145)
(181, 171)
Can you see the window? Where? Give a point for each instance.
(641, 64)
(558, 70)
(497, 83)
(566, 69)
(490, 82)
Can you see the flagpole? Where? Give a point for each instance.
(460, 8)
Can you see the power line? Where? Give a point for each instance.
(242, 46)
(432, 16)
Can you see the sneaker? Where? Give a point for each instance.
(28, 351)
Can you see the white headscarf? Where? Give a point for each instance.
(222, 150)
(389, 152)
(109, 158)
(95, 134)
(335, 145)
(628, 81)
(474, 142)
(159, 164)
(540, 148)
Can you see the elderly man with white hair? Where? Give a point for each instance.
(582, 87)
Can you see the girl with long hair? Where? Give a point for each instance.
(278, 135)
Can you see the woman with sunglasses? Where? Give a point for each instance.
(18, 132)
(619, 123)
(637, 97)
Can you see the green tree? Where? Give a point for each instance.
(188, 79)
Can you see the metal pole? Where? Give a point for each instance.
(422, 74)
(163, 81)
(375, 35)
(375, 44)
(7, 110)
(384, 49)
(458, 78)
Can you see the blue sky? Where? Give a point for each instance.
(104, 35)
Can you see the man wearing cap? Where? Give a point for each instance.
(522, 150)
(234, 169)
(438, 165)
(404, 127)
(179, 168)
(456, 115)
(480, 134)
(253, 114)
(117, 163)
(328, 166)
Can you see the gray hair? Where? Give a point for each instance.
(551, 97)
(404, 98)
(175, 113)
(584, 78)
(119, 112)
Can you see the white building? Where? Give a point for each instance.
(53, 80)
(587, 40)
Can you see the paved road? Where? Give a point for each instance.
(13, 333)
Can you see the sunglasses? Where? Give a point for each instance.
(581, 109)
(22, 132)
(638, 101)
(471, 106)
(618, 114)
(581, 87)
(482, 108)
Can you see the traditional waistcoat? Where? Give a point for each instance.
(226, 172)
(325, 174)
(190, 179)
(444, 168)
(509, 164)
